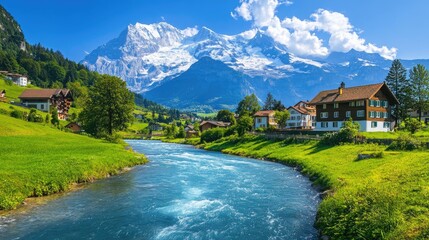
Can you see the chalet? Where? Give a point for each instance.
(264, 119)
(369, 105)
(302, 116)
(206, 125)
(18, 79)
(74, 127)
(190, 131)
(2, 93)
(47, 99)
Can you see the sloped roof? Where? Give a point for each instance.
(303, 110)
(216, 123)
(42, 93)
(350, 94)
(265, 113)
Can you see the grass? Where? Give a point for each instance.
(12, 91)
(38, 160)
(379, 198)
(422, 135)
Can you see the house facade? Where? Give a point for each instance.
(264, 119)
(369, 105)
(302, 116)
(18, 79)
(47, 99)
(206, 125)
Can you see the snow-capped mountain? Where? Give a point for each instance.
(150, 56)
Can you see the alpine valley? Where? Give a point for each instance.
(199, 70)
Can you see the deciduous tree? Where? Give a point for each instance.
(248, 106)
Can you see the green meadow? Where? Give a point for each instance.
(38, 160)
(379, 198)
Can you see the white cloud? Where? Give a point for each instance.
(300, 36)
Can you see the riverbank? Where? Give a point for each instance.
(378, 198)
(39, 160)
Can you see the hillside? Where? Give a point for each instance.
(39, 160)
(378, 198)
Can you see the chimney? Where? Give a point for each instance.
(341, 88)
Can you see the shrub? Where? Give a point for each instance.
(17, 114)
(212, 134)
(230, 131)
(413, 125)
(4, 111)
(181, 133)
(362, 213)
(347, 134)
(405, 142)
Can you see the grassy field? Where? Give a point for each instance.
(12, 91)
(38, 160)
(423, 135)
(380, 198)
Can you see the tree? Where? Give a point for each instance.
(397, 81)
(419, 80)
(226, 116)
(269, 102)
(248, 106)
(54, 119)
(244, 124)
(413, 125)
(281, 117)
(109, 107)
(278, 106)
(47, 118)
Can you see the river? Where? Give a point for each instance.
(183, 193)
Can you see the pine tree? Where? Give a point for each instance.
(269, 102)
(419, 79)
(397, 81)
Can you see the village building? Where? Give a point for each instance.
(74, 127)
(2, 93)
(18, 79)
(302, 116)
(206, 125)
(264, 119)
(190, 131)
(369, 105)
(424, 115)
(47, 99)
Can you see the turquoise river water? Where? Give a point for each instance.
(183, 193)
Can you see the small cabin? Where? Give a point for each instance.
(206, 125)
(74, 127)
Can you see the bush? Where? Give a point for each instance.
(362, 213)
(230, 131)
(347, 134)
(17, 114)
(413, 125)
(212, 134)
(405, 142)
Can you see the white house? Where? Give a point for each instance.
(302, 116)
(18, 79)
(264, 119)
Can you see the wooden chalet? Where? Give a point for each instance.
(74, 127)
(206, 125)
(264, 119)
(369, 105)
(302, 116)
(47, 99)
(190, 131)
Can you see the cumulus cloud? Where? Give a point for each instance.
(300, 36)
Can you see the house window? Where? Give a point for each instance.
(42, 106)
(335, 124)
(372, 114)
(336, 114)
(351, 104)
(324, 106)
(324, 124)
(336, 105)
(373, 124)
(386, 125)
(298, 118)
(259, 120)
(377, 114)
(385, 115)
(360, 113)
(360, 103)
(323, 115)
(292, 118)
(377, 103)
(348, 114)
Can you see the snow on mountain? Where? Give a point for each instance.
(148, 56)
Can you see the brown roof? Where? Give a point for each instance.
(42, 93)
(265, 113)
(304, 110)
(216, 123)
(350, 94)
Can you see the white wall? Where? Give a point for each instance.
(365, 126)
(263, 122)
(38, 105)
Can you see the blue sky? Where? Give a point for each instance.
(79, 26)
